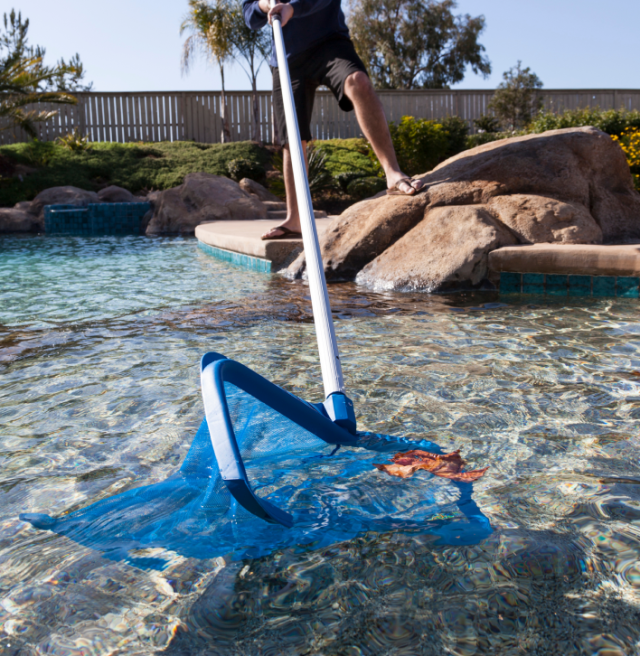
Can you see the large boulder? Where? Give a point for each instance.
(569, 186)
(201, 198)
(115, 194)
(256, 189)
(14, 219)
(60, 196)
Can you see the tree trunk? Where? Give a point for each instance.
(256, 113)
(225, 134)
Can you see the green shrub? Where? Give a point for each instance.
(487, 124)
(136, 167)
(346, 156)
(366, 187)
(481, 138)
(420, 144)
(319, 177)
(245, 168)
(457, 130)
(74, 141)
(343, 179)
(611, 121)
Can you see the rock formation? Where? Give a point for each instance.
(60, 196)
(15, 219)
(569, 186)
(28, 216)
(202, 197)
(255, 188)
(115, 194)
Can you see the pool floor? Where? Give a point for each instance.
(100, 340)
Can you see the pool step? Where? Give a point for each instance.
(568, 269)
(275, 215)
(239, 242)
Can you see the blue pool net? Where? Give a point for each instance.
(333, 493)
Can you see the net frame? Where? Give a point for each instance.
(215, 370)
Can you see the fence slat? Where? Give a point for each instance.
(175, 116)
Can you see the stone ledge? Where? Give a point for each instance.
(570, 259)
(244, 237)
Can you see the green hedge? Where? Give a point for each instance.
(136, 167)
(346, 156)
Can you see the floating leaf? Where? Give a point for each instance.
(449, 465)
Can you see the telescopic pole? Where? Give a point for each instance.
(327, 343)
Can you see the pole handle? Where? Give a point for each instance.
(332, 377)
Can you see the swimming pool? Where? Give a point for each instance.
(100, 341)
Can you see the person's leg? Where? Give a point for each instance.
(292, 222)
(304, 90)
(373, 122)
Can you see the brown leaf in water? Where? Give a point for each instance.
(448, 465)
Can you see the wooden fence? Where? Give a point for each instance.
(195, 115)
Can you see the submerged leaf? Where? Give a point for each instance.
(448, 465)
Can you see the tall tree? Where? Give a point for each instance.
(211, 28)
(25, 81)
(411, 44)
(252, 47)
(516, 100)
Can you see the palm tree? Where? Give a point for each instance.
(211, 34)
(21, 85)
(253, 46)
(25, 80)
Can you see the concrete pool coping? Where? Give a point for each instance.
(568, 259)
(243, 238)
(573, 269)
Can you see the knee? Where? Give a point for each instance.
(357, 83)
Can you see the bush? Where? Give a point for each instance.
(136, 167)
(346, 156)
(74, 141)
(420, 145)
(245, 168)
(487, 124)
(611, 121)
(319, 177)
(629, 141)
(481, 138)
(457, 131)
(343, 179)
(366, 187)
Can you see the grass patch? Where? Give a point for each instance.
(136, 167)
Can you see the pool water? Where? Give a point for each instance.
(100, 341)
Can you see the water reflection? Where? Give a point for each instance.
(545, 392)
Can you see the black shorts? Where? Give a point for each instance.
(329, 63)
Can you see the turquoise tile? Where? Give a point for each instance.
(604, 286)
(580, 285)
(510, 283)
(533, 283)
(627, 287)
(556, 285)
(247, 261)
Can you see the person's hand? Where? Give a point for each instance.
(284, 9)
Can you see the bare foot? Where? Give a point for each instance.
(399, 183)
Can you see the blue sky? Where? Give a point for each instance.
(134, 45)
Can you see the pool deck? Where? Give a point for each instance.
(243, 238)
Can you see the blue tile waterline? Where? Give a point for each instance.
(563, 285)
(240, 259)
(95, 219)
